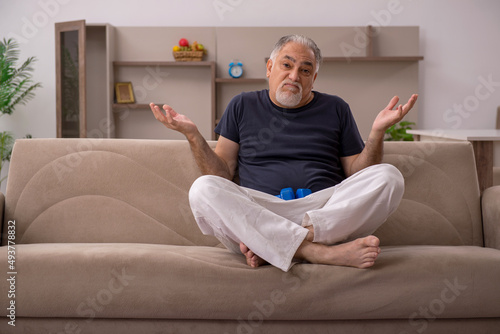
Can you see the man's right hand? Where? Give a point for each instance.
(222, 161)
(172, 120)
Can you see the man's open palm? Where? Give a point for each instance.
(388, 117)
(172, 120)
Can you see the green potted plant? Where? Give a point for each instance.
(397, 132)
(16, 88)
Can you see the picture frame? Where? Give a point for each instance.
(124, 92)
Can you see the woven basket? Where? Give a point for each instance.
(188, 55)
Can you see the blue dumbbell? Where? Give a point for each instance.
(287, 193)
(302, 192)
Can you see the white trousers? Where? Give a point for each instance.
(274, 228)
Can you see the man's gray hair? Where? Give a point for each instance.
(306, 41)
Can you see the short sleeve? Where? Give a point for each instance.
(228, 124)
(351, 142)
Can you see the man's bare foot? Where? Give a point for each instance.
(252, 260)
(359, 253)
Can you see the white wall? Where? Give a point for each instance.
(459, 40)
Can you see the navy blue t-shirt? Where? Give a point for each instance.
(298, 148)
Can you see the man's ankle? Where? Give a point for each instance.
(310, 234)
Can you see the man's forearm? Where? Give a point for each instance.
(206, 159)
(374, 147)
(371, 154)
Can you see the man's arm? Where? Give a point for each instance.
(221, 162)
(374, 147)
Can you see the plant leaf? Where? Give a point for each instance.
(16, 86)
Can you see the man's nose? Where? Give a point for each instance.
(293, 75)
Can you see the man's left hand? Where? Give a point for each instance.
(388, 117)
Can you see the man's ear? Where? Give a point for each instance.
(269, 66)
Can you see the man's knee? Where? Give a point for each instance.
(389, 177)
(206, 187)
(201, 186)
(392, 178)
(393, 174)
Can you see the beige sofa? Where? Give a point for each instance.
(105, 243)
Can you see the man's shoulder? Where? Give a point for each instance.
(249, 98)
(330, 98)
(244, 101)
(256, 94)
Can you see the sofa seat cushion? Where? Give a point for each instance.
(147, 281)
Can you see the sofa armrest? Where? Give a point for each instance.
(2, 206)
(491, 217)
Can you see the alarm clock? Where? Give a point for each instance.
(235, 69)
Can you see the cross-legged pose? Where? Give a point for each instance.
(292, 136)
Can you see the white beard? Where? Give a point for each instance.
(286, 97)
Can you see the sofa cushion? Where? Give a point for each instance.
(117, 190)
(146, 281)
(441, 202)
(91, 190)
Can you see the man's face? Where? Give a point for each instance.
(292, 75)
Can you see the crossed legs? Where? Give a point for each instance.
(359, 253)
(332, 226)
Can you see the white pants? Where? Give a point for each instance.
(274, 228)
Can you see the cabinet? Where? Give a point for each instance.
(151, 76)
(364, 67)
(83, 80)
(70, 79)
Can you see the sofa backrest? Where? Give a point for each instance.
(441, 203)
(121, 190)
(102, 190)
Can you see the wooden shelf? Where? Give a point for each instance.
(374, 59)
(133, 106)
(163, 63)
(139, 106)
(370, 57)
(240, 80)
